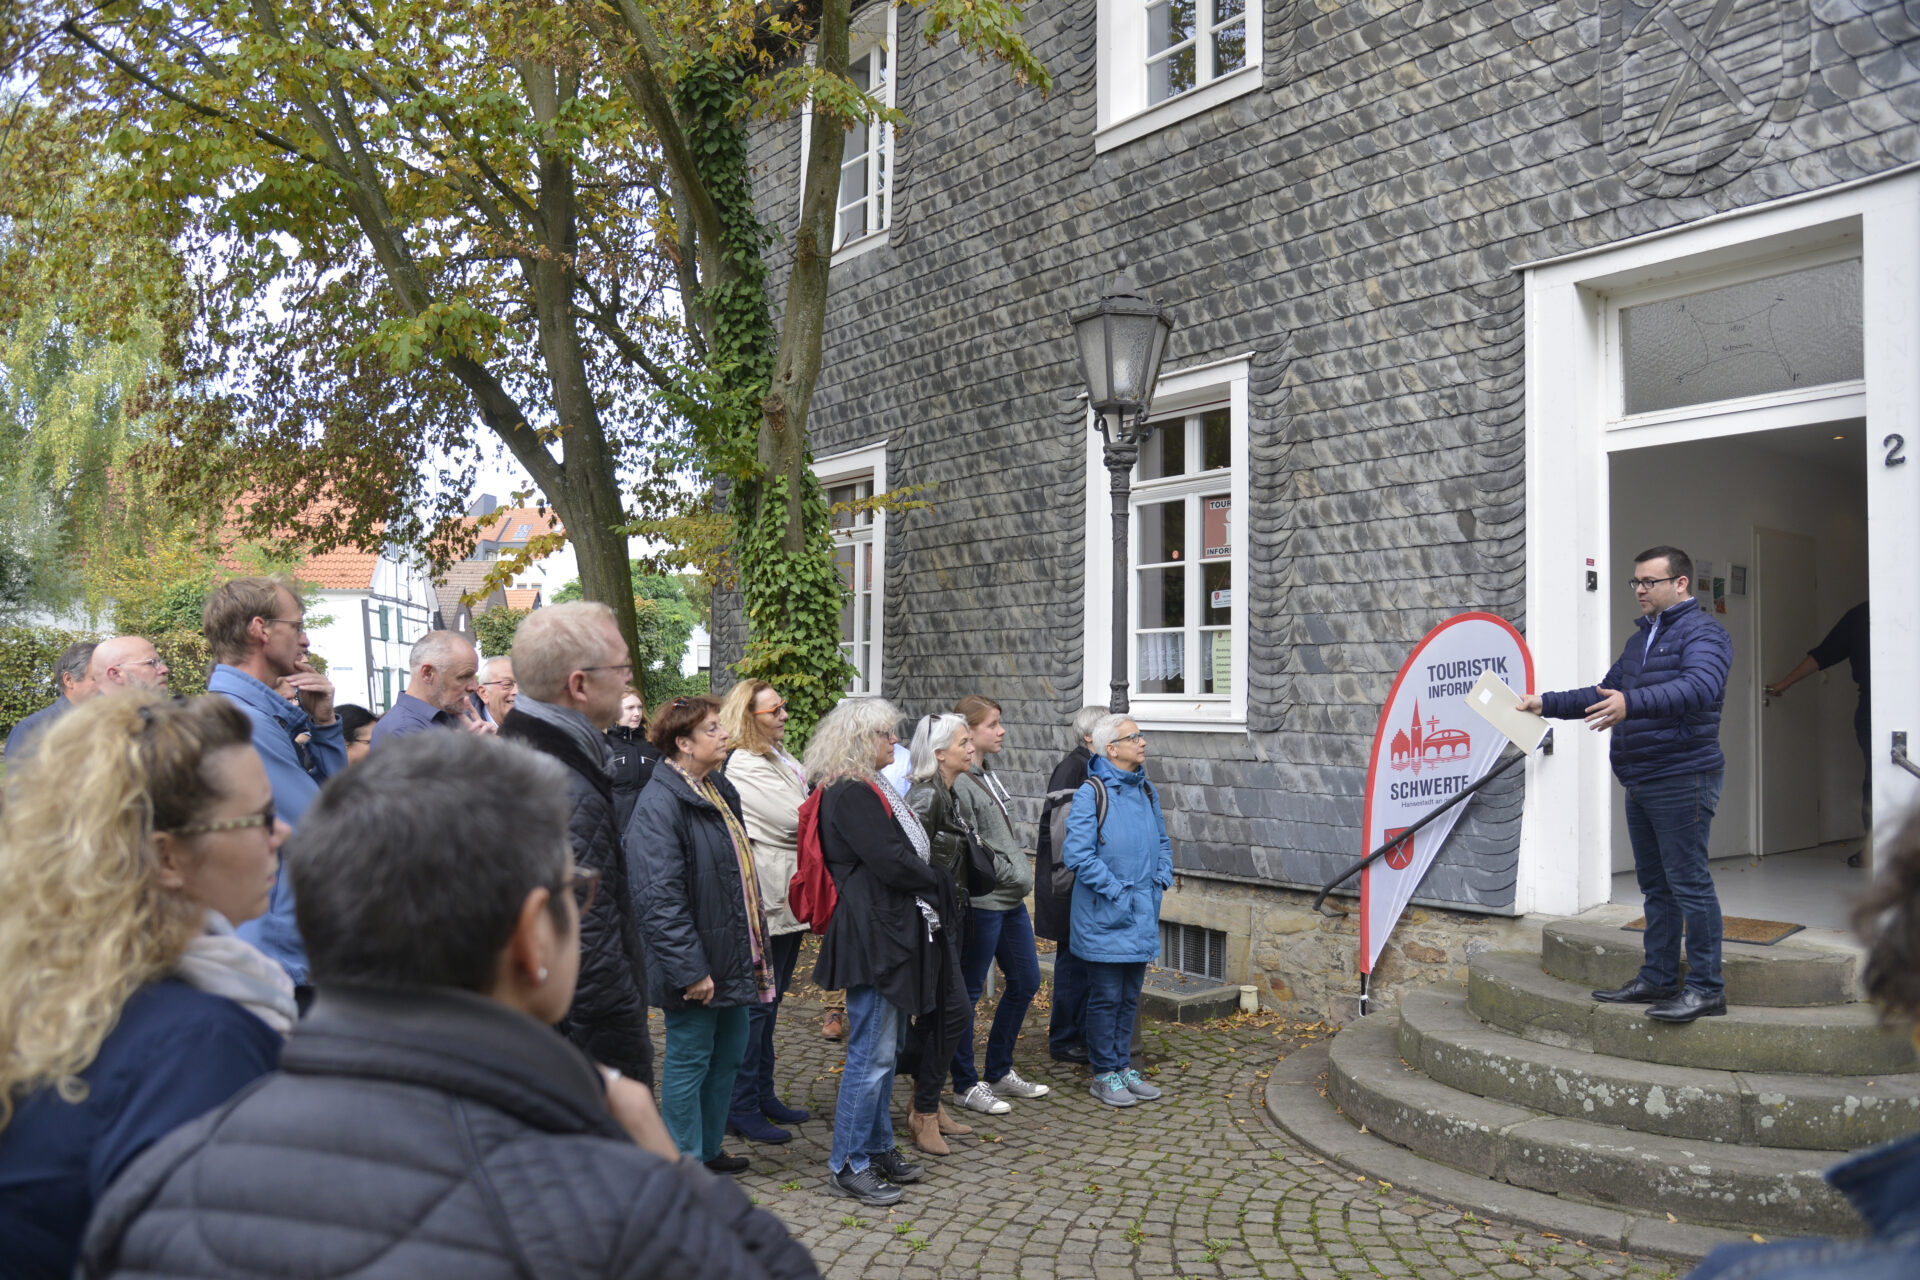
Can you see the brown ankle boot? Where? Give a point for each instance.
(926, 1133)
(949, 1126)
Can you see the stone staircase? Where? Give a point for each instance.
(1522, 1078)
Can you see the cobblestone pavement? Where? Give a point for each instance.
(1064, 1188)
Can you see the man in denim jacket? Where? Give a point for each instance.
(257, 630)
(1665, 695)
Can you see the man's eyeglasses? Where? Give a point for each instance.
(507, 682)
(298, 624)
(585, 884)
(265, 818)
(139, 662)
(1648, 584)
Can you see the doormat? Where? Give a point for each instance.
(1759, 933)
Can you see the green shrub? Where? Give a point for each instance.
(27, 655)
(186, 652)
(495, 629)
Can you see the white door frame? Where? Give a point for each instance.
(1572, 425)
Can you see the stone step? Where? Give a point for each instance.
(1439, 1035)
(1598, 953)
(1509, 990)
(1762, 1189)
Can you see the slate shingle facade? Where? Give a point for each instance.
(1355, 225)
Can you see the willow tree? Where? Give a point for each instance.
(407, 218)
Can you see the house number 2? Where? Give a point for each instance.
(1896, 449)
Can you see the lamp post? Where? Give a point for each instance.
(1120, 341)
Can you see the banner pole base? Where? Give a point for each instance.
(1363, 993)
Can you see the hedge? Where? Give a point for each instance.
(27, 655)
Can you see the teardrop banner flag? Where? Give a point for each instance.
(1429, 747)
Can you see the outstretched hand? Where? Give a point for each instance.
(1609, 711)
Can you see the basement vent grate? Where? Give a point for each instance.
(1189, 948)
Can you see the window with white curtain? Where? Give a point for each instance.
(860, 556)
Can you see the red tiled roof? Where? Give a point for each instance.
(523, 597)
(342, 569)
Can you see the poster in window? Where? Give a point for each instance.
(1220, 657)
(1216, 526)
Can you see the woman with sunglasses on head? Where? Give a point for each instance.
(772, 785)
(136, 837)
(1122, 863)
(709, 955)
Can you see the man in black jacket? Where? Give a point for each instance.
(571, 665)
(1052, 915)
(425, 1121)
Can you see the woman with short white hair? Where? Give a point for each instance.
(882, 944)
(1122, 863)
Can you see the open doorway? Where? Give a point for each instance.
(1776, 524)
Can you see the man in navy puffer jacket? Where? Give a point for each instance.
(1665, 695)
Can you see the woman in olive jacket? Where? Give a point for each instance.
(705, 933)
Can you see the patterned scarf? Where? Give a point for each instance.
(916, 836)
(749, 882)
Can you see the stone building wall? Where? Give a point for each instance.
(1355, 225)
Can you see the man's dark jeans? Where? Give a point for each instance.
(1067, 1030)
(1669, 820)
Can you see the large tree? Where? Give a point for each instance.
(407, 217)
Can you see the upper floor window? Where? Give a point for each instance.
(1161, 61)
(863, 204)
(1190, 42)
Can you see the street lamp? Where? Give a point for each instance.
(1120, 341)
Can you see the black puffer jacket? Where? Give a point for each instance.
(1053, 916)
(877, 936)
(428, 1133)
(691, 906)
(633, 761)
(608, 1019)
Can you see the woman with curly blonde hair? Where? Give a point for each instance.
(884, 943)
(138, 835)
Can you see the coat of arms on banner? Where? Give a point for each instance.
(1695, 90)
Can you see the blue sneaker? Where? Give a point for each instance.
(1137, 1087)
(1111, 1089)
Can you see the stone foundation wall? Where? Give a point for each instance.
(1304, 964)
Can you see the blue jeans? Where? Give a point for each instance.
(862, 1119)
(696, 1083)
(1005, 936)
(1068, 1027)
(754, 1088)
(1669, 820)
(1113, 994)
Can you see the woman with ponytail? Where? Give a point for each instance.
(133, 841)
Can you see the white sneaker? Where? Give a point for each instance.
(1014, 1087)
(981, 1099)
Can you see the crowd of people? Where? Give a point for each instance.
(288, 988)
(386, 981)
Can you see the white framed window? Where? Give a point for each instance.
(1161, 61)
(863, 201)
(860, 555)
(1186, 545)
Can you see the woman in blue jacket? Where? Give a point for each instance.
(1121, 866)
(137, 836)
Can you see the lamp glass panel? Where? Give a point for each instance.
(1090, 334)
(1135, 342)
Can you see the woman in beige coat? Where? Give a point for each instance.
(771, 784)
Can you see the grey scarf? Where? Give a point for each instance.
(916, 836)
(572, 723)
(219, 963)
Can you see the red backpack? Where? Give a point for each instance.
(811, 894)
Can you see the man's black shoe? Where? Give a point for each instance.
(1691, 1003)
(866, 1186)
(895, 1168)
(724, 1163)
(1072, 1053)
(1639, 991)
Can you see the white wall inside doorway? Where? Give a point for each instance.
(1707, 497)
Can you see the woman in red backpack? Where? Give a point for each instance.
(882, 945)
